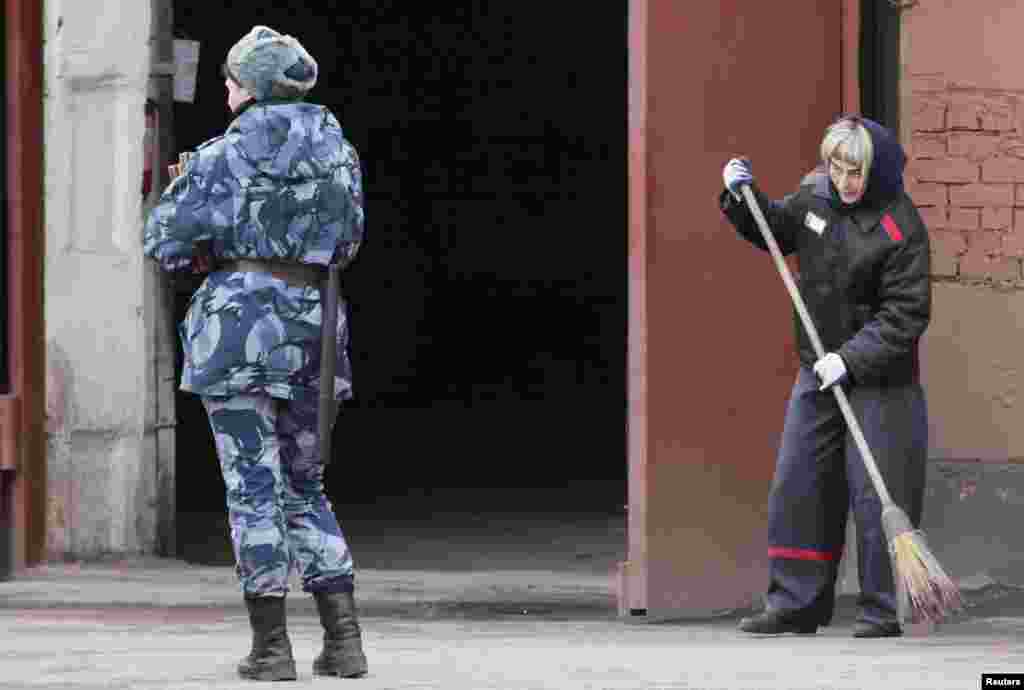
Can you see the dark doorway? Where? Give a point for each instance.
(488, 305)
(880, 62)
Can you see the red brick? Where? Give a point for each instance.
(996, 218)
(934, 217)
(1018, 220)
(927, 193)
(1003, 169)
(953, 242)
(947, 247)
(944, 170)
(973, 265)
(1020, 194)
(997, 117)
(928, 115)
(921, 84)
(964, 218)
(984, 242)
(965, 114)
(981, 195)
(984, 257)
(975, 147)
(1013, 242)
(928, 146)
(1012, 145)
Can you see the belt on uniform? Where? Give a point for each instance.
(299, 275)
(328, 281)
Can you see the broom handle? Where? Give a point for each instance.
(819, 350)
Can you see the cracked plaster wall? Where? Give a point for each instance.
(101, 489)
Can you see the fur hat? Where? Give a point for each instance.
(268, 64)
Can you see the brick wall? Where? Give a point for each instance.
(966, 175)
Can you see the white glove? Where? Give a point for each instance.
(830, 370)
(736, 174)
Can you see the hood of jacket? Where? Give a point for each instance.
(885, 178)
(286, 141)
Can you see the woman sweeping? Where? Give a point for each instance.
(864, 274)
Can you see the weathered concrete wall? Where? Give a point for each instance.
(101, 465)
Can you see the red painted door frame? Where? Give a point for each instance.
(22, 408)
(700, 457)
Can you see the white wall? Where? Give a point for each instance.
(101, 465)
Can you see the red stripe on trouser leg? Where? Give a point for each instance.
(801, 554)
(891, 229)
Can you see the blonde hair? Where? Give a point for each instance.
(849, 141)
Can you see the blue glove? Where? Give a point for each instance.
(736, 174)
(830, 370)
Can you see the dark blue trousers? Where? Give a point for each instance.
(820, 477)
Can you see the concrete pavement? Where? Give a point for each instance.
(463, 601)
(55, 649)
(153, 623)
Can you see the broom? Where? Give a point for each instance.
(924, 592)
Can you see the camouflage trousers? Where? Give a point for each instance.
(279, 515)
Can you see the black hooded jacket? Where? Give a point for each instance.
(863, 268)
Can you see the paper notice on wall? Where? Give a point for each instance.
(186, 66)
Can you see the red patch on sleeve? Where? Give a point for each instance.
(802, 554)
(891, 229)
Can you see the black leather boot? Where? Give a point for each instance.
(271, 656)
(869, 629)
(777, 623)
(342, 654)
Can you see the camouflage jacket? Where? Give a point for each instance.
(281, 183)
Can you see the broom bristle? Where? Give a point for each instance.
(932, 595)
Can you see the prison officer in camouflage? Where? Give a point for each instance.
(272, 201)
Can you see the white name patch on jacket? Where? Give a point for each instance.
(815, 223)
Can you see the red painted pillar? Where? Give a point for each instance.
(22, 439)
(632, 580)
(711, 351)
